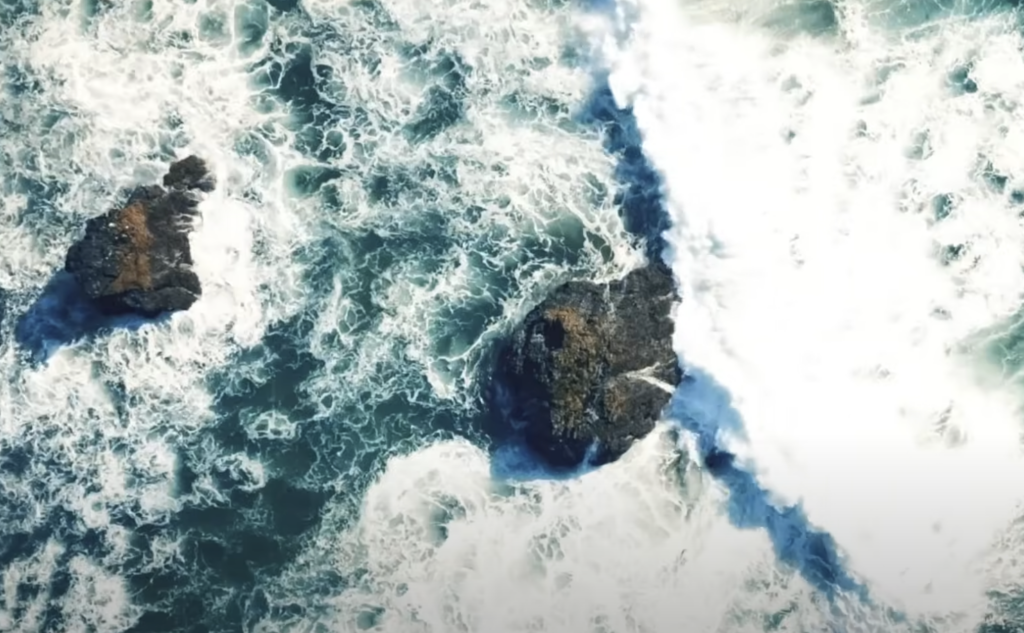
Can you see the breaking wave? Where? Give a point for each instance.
(399, 182)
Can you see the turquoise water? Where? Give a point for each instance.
(308, 447)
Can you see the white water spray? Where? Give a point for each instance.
(814, 290)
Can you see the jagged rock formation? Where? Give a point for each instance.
(592, 365)
(137, 259)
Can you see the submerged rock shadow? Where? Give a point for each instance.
(640, 195)
(62, 315)
(811, 552)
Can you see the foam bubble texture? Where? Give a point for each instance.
(393, 192)
(847, 233)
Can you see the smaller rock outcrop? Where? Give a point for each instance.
(137, 259)
(592, 367)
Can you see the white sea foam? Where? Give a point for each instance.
(643, 544)
(814, 292)
(527, 179)
(801, 278)
(816, 299)
(114, 92)
(100, 419)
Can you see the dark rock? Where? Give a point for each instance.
(592, 365)
(137, 259)
(189, 173)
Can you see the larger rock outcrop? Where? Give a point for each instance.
(592, 367)
(137, 259)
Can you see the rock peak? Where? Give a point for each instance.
(190, 172)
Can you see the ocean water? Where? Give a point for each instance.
(836, 185)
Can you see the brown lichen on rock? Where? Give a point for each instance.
(593, 365)
(577, 367)
(134, 271)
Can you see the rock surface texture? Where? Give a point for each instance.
(137, 259)
(592, 365)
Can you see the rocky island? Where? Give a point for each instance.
(591, 368)
(137, 259)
